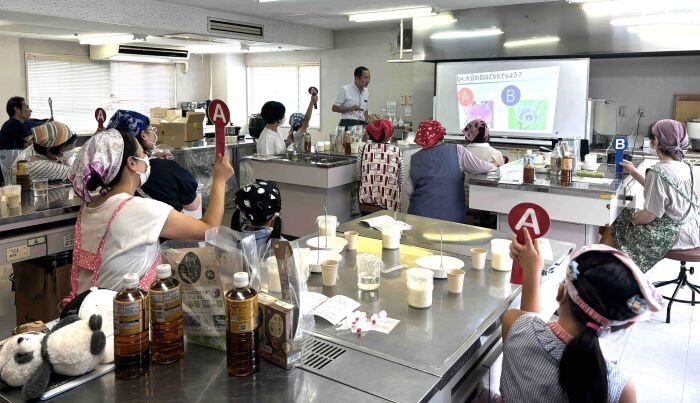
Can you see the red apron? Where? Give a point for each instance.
(86, 260)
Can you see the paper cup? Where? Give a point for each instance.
(455, 280)
(351, 237)
(329, 272)
(478, 258)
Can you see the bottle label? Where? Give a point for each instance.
(166, 306)
(130, 317)
(241, 315)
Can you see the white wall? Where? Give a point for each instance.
(646, 81)
(228, 76)
(9, 67)
(194, 82)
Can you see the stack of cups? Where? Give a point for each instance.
(329, 272)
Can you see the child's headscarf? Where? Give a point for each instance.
(672, 137)
(380, 129)
(429, 133)
(296, 120)
(471, 130)
(259, 202)
(51, 134)
(101, 155)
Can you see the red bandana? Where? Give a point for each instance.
(429, 133)
(380, 130)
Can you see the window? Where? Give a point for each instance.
(78, 85)
(286, 84)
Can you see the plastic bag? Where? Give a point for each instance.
(7, 164)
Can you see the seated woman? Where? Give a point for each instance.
(669, 219)
(117, 233)
(45, 156)
(436, 185)
(258, 208)
(476, 133)
(380, 168)
(169, 182)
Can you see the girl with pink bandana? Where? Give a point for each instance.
(669, 219)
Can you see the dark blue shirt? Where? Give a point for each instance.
(12, 135)
(170, 183)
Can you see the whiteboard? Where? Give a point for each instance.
(552, 104)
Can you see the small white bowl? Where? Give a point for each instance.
(332, 243)
(590, 166)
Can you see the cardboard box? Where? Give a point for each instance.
(39, 287)
(169, 114)
(276, 333)
(190, 128)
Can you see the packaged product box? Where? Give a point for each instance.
(169, 114)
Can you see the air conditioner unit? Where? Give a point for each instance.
(138, 53)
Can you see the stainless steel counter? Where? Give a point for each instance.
(56, 206)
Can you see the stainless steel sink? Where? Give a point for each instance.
(317, 159)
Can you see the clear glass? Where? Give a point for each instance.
(368, 271)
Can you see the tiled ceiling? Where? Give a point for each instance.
(332, 14)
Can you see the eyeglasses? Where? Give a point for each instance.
(151, 129)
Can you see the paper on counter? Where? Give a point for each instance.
(385, 325)
(378, 222)
(596, 181)
(334, 309)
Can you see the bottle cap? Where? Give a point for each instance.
(240, 279)
(130, 280)
(164, 271)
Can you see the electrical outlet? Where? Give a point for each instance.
(642, 111)
(621, 111)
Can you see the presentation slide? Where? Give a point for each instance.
(517, 98)
(521, 101)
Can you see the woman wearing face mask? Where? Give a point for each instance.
(168, 182)
(115, 232)
(270, 141)
(45, 156)
(669, 219)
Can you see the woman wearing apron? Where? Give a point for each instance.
(117, 233)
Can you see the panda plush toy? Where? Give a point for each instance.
(73, 347)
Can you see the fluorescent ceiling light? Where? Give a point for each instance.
(681, 36)
(400, 61)
(392, 14)
(531, 42)
(433, 21)
(656, 19)
(622, 7)
(108, 39)
(476, 33)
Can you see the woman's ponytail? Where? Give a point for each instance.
(276, 228)
(583, 373)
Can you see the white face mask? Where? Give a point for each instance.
(143, 176)
(150, 145)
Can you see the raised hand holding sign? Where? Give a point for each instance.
(313, 91)
(219, 114)
(528, 217)
(100, 117)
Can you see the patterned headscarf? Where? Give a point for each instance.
(471, 130)
(640, 305)
(259, 201)
(101, 155)
(380, 130)
(429, 133)
(51, 134)
(671, 137)
(129, 121)
(295, 120)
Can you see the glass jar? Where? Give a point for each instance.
(567, 170)
(307, 142)
(529, 169)
(347, 141)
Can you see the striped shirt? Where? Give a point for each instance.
(41, 167)
(380, 167)
(531, 355)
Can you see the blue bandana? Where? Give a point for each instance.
(296, 120)
(129, 121)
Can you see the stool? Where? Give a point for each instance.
(683, 256)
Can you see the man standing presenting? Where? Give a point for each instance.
(14, 134)
(352, 100)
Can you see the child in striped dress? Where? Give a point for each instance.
(604, 291)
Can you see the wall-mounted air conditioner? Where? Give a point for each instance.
(139, 53)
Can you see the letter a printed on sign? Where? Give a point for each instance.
(218, 114)
(529, 219)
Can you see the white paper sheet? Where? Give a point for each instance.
(335, 309)
(378, 222)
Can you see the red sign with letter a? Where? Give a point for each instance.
(526, 217)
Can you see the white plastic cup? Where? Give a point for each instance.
(478, 258)
(391, 236)
(455, 280)
(500, 255)
(351, 237)
(329, 272)
(420, 287)
(327, 225)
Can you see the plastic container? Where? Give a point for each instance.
(132, 351)
(369, 267)
(500, 255)
(420, 287)
(242, 357)
(166, 318)
(327, 225)
(391, 235)
(13, 193)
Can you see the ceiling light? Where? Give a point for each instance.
(681, 36)
(621, 7)
(433, 21)
(400, 61)
(475, 33)
(108, 39)
(531, 42)
(671, 18)
(392, 14)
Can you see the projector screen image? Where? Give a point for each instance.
(518, 101)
